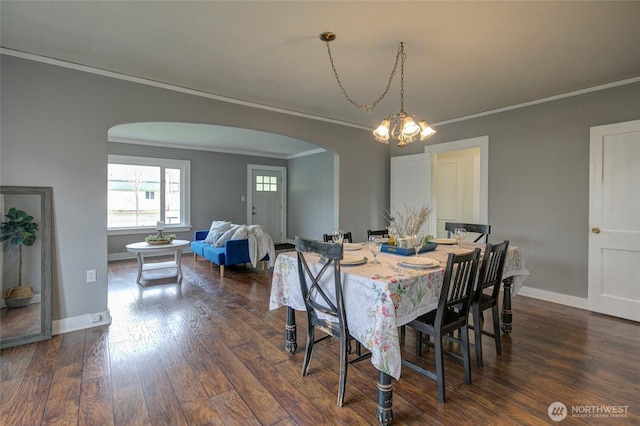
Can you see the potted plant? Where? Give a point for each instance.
(19, 229)
(160, 238)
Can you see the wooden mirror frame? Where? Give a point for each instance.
(44, 239)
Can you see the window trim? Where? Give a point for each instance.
(185, 193)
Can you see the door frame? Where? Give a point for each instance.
(481, 142)
(283, 193)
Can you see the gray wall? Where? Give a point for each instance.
(539, 179)
(310, 186)
(218, 181)
(54, 125)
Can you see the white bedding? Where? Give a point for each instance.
(260, 244)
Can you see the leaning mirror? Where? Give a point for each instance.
(25, 233)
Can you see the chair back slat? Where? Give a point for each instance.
(346, 237)
(483, 230)
(492, 268)
(322, 295)
(459, 282)
(381, 233)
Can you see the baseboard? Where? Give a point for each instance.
(81, 322)
(550, 296)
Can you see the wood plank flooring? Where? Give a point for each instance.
(209, 351)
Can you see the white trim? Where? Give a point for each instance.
(306, 153)
(105, 73)
(541, 100)
(481, 142)
(82, 322)
(283, 193)
(185, 188)
(91, 70)
(216, 149)
(550, 296)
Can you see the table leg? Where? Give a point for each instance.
(179, 264)
(384, 411)
(507, 315)
(140, 263)
(290, 344)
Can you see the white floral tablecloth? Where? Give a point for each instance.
(380, 298)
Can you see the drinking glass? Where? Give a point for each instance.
(375, 243)
(460, 234)
(416, 243)
(338, 235)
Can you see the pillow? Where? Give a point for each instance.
(218, 227)
(226, 236)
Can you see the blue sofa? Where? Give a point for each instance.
(233, 252)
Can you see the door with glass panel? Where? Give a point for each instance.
(266, 204)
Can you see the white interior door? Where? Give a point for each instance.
(457, 188)
(614, 218)
(411, 183)
(448, 193)
(266, 205)
(472, 182)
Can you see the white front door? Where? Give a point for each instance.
(614, 220)
(266, 204)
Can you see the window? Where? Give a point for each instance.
(142, 191)
(266, 183)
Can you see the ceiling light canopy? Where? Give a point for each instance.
(403, 127)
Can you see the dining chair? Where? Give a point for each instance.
(347, 238)
(381, 233)
(483, 230)
(486, 296)
(451, 314)
(324, 303)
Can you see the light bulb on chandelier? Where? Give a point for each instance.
(403, 127)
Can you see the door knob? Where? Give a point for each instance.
(595, 230)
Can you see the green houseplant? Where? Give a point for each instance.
(160, 238)
(19, 229)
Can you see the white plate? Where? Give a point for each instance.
(349, 259)
(351, 247)
(443, 240)
(419, 262)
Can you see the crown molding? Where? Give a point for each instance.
(167, 86)
(98, 71)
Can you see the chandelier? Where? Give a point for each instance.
(403, 127)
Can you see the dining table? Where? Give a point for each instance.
(381, 297)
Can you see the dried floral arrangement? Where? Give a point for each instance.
(408, 222)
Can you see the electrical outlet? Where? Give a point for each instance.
(91, 276)
(95, 317)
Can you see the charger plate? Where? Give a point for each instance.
(419, 262)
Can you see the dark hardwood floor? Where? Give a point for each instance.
(209, 351)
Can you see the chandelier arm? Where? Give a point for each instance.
(371, 106)
(404, 57)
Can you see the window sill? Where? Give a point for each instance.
(147, 231)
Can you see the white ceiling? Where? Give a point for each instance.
(464, 58)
